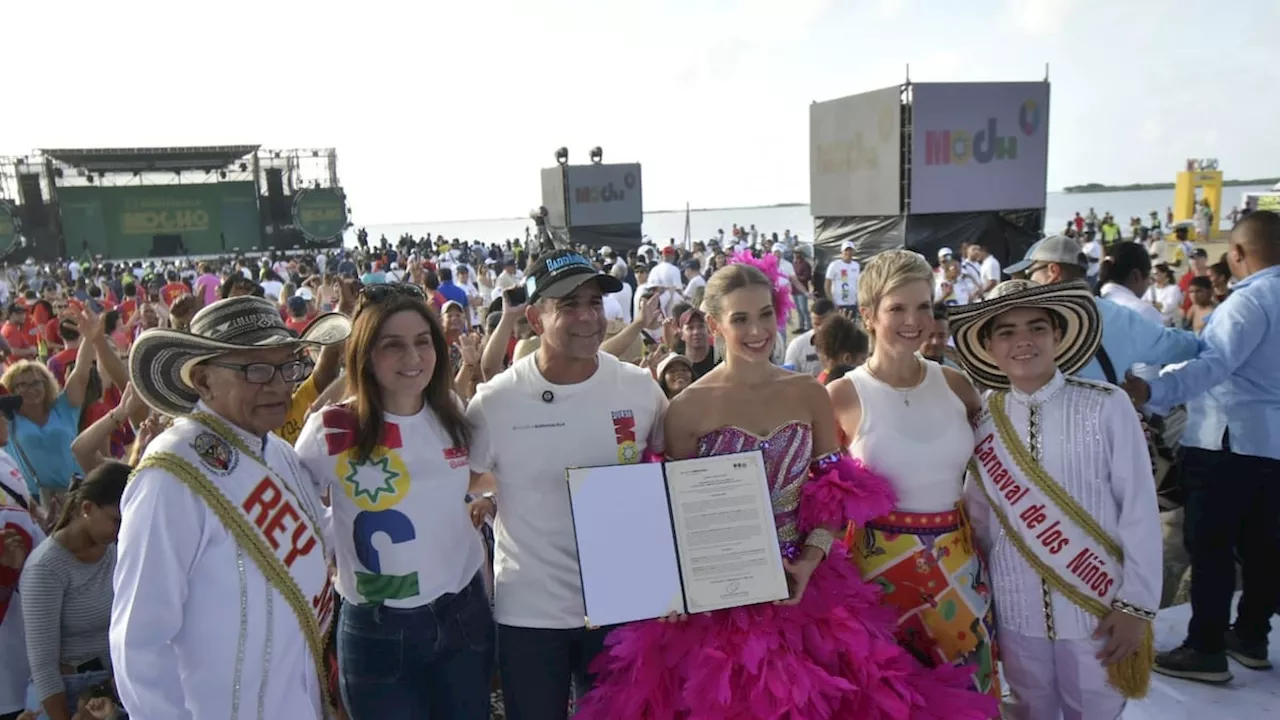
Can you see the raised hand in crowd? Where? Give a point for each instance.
(13, 552)
(89, 324)
(651, 309)
(470, 345)
(148, 430)
(670, 331)
(651, 361)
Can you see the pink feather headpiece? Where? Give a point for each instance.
(768, 265)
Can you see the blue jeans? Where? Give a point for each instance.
(802, 307)
(74, 684)
(538, 665)
(433, 662)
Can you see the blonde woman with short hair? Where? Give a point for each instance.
(907, 419)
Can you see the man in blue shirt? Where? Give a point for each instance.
(451, 291)
(1127, 337)
(1231, 462)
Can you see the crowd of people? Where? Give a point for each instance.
(334, 485)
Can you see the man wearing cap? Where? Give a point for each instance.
(695, 342)
(565, 405)
(1063, 504)
(222, 597)
(1127, 337)
(665, 274)
(842, 281)
(1199, 261)
(618, 265)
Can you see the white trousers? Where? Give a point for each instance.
(1053, 679)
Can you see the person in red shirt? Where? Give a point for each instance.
(1199, 268)
(299, 314)
(129, 305)
(14, 331)
(62, 362)
(173, 290)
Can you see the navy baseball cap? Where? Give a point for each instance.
(559, 273)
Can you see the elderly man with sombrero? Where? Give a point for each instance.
(1062, 502)
(222, 597)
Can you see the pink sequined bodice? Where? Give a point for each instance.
(787, 452)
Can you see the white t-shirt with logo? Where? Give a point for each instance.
(403, 534)
(527, 438)
(844, 282)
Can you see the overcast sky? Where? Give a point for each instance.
(446, 110)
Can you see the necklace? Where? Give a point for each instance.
(904, 392)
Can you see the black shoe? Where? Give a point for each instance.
(1190, 664)
(1252, 655)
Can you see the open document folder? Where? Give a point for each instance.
(685, 536)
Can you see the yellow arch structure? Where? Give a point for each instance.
(1184, 199)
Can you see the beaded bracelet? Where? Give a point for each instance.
(820, 538)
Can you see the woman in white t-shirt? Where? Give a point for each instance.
(1164, 294)
(415, 632)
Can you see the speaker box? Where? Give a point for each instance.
(34, 214)
(281, 213)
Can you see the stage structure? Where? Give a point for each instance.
(930, 165)
(593, 205)
(1201, 180)
(166, 202)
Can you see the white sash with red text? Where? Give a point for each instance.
(1043, 528)
(269, 512)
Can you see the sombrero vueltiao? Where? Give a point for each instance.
(161, 360)
(1073, 304)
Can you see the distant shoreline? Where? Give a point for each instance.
(1100, 188)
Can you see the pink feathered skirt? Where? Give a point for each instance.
(833, 656)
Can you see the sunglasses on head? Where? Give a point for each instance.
(381, 291)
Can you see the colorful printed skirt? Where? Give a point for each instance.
(935, 580)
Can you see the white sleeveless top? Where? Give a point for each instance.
(922, 447)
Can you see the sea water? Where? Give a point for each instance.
(704, 224)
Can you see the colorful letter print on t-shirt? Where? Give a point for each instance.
(376, 485)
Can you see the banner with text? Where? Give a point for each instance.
(604, 195)
(979, 146)
(855, 167)
(141, 221)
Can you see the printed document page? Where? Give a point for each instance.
(725, 533)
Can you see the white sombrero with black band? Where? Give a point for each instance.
(1075, 313)
(161, 360)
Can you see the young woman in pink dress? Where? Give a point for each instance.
(828, 651)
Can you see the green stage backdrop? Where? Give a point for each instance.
(125, 222)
